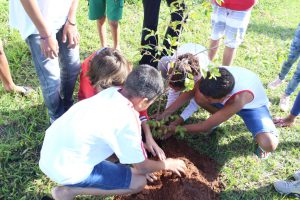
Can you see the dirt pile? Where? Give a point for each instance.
(201, 180)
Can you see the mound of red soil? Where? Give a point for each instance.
(201, 180)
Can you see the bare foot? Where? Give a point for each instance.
(24, 90)
(62, 193)
(284, 122)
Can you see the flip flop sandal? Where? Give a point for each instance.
(262, 154)
(27, 90)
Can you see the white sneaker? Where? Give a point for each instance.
(287, 187)
(284, 103)
(297, 176)
(274, 84)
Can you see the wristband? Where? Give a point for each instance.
(46, 37)
(72, 24)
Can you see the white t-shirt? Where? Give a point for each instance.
(91, 131)
(55, 13)
(246, 80)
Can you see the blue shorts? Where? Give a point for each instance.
(257, 120)
(107, 176)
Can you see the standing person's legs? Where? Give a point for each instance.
(290, 119)
(102, 31)
(178, 17)
(5, 75)
(218, 19)
(293, 55)
(151, 15)
(114, 14)
(48, 72)
(293, 83)
(97, 12)
(69, 61)
(296, 107)
(236, 26)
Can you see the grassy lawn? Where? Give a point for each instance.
(23, 120)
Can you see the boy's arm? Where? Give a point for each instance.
(151, 144)
(49, 44)
(187, 112)
(182, 99)
(149, 166)
(70, 31)
(232, 107)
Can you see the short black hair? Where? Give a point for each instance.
(144, 81)
(217, 87)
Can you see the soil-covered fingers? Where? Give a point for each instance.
(176, 165)
(151, 177)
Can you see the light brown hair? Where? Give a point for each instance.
(108, 68)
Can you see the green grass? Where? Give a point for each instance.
(23, 120)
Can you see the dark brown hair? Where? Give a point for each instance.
(108, 68)
(185, 64)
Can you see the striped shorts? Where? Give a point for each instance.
(231, 23)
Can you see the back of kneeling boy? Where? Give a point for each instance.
(76, 145)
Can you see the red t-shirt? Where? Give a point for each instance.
(240, 5)
(86, 90)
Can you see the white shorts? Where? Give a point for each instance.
(231, 23)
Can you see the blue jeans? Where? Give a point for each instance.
(292, 58)
(296, 107)
(57, 76)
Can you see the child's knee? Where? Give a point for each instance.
(114, 24)
(267, 141)
(138, 182)
(101, 20)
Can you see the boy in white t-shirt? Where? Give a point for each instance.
(236, 91)
(76, 145)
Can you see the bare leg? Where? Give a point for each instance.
(267, 141)
(138, 182)
(228, 56)
(114, 26)
(102, 31)
(5, 75)
(213, 48)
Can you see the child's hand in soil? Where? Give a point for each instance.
(175, 165)
(154, 148)
(151, 177)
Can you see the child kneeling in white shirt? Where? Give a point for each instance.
(76, 145)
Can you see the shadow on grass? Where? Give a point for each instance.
(209, 144)
(271, 30)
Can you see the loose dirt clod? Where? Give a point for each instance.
(201, 180)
